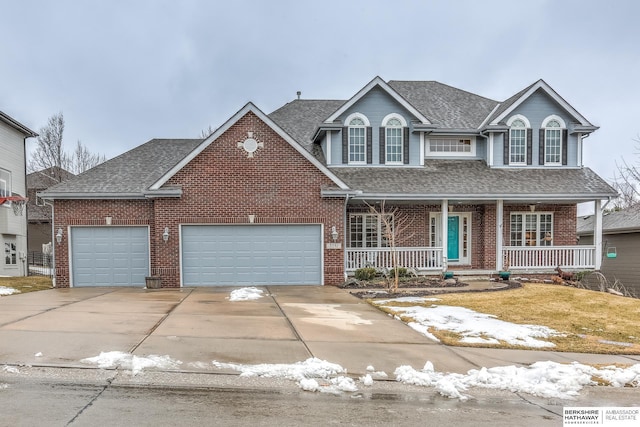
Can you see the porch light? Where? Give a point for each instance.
(532, 208)
(59, 236)
(334, 233)
(165, 235)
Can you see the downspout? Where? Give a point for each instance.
(53, 242)
(344, 236)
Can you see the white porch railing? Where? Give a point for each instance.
(549, 257)
(421, 258)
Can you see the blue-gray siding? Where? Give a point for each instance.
(259, 254)
(109, 256)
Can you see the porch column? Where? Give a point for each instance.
(499, 243)
(597, 234)
(445, 233)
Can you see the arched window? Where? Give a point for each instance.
(393, 140)
(552, 133)
(357, 127)
(519, 126)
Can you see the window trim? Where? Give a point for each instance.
(538, 230)
(10, 252)
(547, 129)
(366, 122)
(380, 242)
(526, 128)
(470, 153)
(387, 128)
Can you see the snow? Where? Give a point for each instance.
(7, 291)
(38, 354)
(10, 369)
(474, 327)
(135, 364)
(246, 294)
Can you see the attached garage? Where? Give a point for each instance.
(251, 254)
(109, 256)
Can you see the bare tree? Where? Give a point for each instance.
(50, 153)
(627, 182)
(206, 132)
(395, 225)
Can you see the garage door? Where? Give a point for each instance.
(216, 255)
(109, 256)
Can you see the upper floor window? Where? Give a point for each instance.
(552, 143)
(393, 141)
(356, 140)
(518, 142)
(5, 184)
(450, 146)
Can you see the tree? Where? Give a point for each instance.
(50, 152)
(627, 183)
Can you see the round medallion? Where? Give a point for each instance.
(250, 145)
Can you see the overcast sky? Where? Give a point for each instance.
(124, 72)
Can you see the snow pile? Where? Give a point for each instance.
(10, 369)
(246, 294)
(7, 291)
(113, 359)
(543, 379)
(311, 375)
(474, 327)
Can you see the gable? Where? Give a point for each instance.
(376, 105)
(538, 106)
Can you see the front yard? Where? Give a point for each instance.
(585, 321)
(24, 284)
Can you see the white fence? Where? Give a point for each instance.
(421, 258)
(549, 257)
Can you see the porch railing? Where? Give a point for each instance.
(420, 258)
(550, 257)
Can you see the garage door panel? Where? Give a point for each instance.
(109, 256)
(251, 254)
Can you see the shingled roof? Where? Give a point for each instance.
(473, 179)
(624, 221)
(131, 173)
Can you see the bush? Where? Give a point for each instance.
(366, 273)
(402, 272)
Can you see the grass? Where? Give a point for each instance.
(27, 284)
(586, 318)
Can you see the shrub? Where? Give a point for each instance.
(402, 272)
(366, 273)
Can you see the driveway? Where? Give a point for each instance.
(59, 327)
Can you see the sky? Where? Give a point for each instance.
(124, 72)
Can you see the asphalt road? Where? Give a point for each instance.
(90, 397)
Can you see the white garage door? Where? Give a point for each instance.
(109, 256)
(219, 255)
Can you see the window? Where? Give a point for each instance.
(531, 229)
(357, 140)
(368, 230)
(393, 143)
(518, 142)
(451, 147)
(553, 142)
(5, 183)
(10, 257)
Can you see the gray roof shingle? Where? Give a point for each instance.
(301, 117)
(132, 172)
(620, 221)
(474, 179)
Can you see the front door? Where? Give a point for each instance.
(458, 236)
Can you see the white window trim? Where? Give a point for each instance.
(394, 116)
(562, 127)
(366, 124)
(519, 117)
(403, 124)
(525, 147)
(379, 228)
(429, 153)
(538, 238)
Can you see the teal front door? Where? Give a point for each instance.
(453, 231)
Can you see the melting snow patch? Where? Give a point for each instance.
(10, 369)
(3, 386)
(8, 291)
(246, 294)
(543, 379)
(367, 380)
(135, 364)
(475, 327)
(311, 375)
(38, 354)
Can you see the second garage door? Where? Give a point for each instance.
(220, 255)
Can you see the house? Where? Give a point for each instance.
(285, 198)
(38, 214)
(13, 222)
(620, 240)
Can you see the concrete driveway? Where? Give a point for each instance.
(59, 327)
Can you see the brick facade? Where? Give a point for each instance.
(221, 185)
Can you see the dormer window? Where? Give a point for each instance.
(393, 139)
(518, 145)
(553, 141)
(357, 139)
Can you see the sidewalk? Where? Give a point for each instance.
(60, 327)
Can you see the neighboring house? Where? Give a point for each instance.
(621, 245)
(39, 214)
(13, 228)
(283, 198)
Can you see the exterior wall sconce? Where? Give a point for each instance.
(532, 208)
(59, 236)
(165, 235)
(334, 233)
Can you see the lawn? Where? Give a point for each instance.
(26, 284)
(591, 322)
